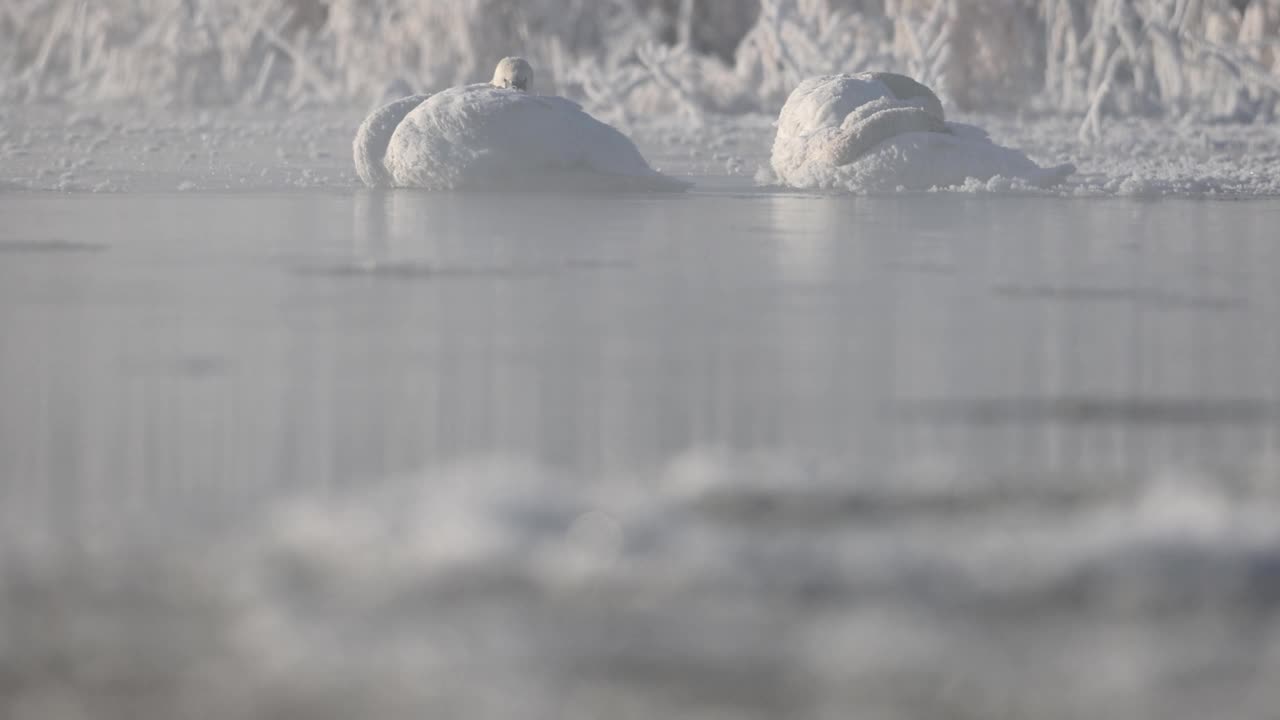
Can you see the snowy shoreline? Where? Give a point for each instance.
(119, 149)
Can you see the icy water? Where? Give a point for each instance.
(728, 454)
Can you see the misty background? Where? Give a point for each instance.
(1209, 59)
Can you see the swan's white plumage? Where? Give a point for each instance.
(879, 131)
(370, 146)
(487, 137)
(513, 72)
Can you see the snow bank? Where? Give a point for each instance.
(1208, 59)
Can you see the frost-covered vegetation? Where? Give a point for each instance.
(1207, 59)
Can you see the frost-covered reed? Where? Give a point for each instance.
(1210, 59)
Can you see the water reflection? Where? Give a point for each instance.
(229, 345)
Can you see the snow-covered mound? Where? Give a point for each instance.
(882, 131)
(498, 136)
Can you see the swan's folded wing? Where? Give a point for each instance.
(966, 131)
(556, 102)
(369, 148)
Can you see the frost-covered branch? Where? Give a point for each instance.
(629, 58)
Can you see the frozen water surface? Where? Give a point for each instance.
(736, 453)
(329, 336)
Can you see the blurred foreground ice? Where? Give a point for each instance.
(717, 586)
(383, 455)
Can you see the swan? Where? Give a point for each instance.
(884, 131)
(498, 135)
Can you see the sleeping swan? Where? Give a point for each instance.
(882, 131)
(498, 135)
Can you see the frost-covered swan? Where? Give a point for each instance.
(882, 131)
(498, 135)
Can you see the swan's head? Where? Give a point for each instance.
(513, 72)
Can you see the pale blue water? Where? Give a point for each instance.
(729, 454)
